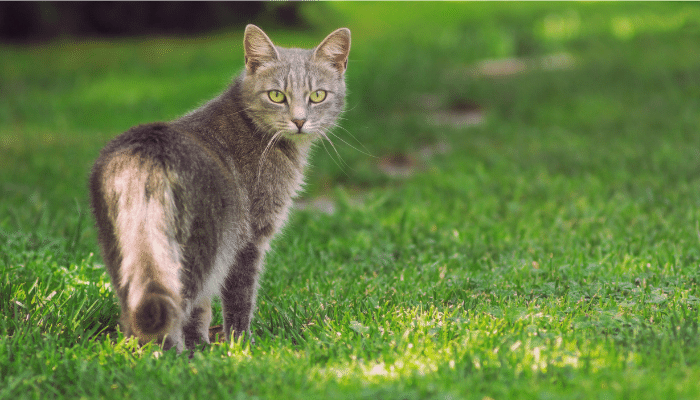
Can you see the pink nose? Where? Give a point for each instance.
(299, 123)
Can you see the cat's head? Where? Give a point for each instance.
(296, 92)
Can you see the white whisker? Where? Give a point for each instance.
(275, 137)
(354, 107)
(323, 135)
(353, 136)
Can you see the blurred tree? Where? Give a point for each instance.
(21, 21)
(18, 20)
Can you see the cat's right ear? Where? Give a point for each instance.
(258, 48)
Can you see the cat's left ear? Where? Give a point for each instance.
(335, 49)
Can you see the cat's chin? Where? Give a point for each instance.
(300, 136)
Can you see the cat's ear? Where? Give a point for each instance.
(258, 48)
(334, 49)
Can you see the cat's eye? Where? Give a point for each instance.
(276, 96)
(317, 96)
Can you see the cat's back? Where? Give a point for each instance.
(161, 146)
(159, 161)
(158, 143)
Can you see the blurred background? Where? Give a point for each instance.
(467, 100)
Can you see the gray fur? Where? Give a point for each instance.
(185, 210)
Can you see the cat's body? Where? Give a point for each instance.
(185, 210)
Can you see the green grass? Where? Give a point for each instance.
(551, 252)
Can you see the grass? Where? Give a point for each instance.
(552, 251)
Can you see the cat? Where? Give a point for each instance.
(185, 210)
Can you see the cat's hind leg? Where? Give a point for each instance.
(196, 329)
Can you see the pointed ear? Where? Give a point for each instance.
(334, 49)
(258, 48)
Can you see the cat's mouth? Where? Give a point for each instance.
(299, 132)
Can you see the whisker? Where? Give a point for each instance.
(367, 153)
(275, 137)
(334, 148)
(344, 141)
(336, 151)
(273, 140)
(353, 108)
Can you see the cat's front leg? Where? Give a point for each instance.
(239, 291)
(196, 330)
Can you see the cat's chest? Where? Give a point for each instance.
(272, 198)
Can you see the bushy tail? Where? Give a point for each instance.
(155, 314)
(144, 216)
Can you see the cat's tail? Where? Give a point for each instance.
(142, 208)
(154, 316)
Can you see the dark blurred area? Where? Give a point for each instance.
(37, 21)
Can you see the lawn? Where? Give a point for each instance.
(513, 211)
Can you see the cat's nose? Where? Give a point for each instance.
(299, 123)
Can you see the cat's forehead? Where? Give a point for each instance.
(293, 55)
(296, 67)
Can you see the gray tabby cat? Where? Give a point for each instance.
(185, 210)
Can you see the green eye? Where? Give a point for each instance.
(276, 96)
(317, 96)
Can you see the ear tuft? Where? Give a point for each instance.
(334, 49)
(258, 48)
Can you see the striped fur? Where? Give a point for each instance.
(185, 210)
